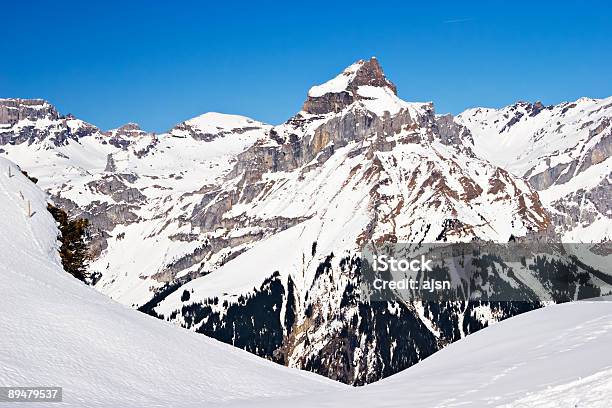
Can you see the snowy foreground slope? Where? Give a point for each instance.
(56, 331)
(59, 332)
(558, 356)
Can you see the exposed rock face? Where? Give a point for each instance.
(362, 73)
(115, 187)
(564, 172)
(329, 102)
(20, 118)
(288, 151)
(453, 133)
(104, 217)
(15, 110)
(584, 207)
(110, 164)
(370, 73)
(126, 131)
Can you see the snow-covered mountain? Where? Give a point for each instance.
(59, 332)
(253, 234)
(563, 151)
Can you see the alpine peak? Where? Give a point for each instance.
(335, 94)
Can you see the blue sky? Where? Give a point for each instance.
(160, 63)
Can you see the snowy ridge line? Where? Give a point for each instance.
(562, 150)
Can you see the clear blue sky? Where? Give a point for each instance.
(160, 63)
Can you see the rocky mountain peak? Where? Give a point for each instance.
(370, 73)
(130, 127)
(36, 120)
(128, 130)
(12, 110)
(341, 91)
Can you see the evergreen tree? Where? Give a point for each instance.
(73, 251)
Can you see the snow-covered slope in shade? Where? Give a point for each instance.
(59, 332)
(563, 150)
(558, 356)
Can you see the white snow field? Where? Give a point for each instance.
(58, 332)
(554, 357)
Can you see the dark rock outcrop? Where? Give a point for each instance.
(368, 73)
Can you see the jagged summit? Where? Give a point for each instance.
(364, 79)
(37, 120)
(361, 73)
(12, 110)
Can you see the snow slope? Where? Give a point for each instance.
(522, 136)
(213, 122)
(59, 332)
(558, 356)
(522, 357)
(103, 354)
(337, 84)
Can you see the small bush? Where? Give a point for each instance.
(32, 179)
